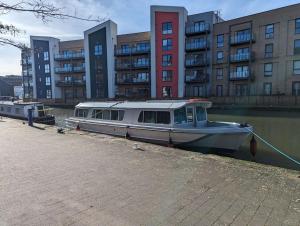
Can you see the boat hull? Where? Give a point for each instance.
(47, 120)
(196, 138)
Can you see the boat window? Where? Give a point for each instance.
(190, 114)
(158, 117)
(97, 114)
(121, 115)
(106, 114)
(17, 110)
(180, 116)
(114, 115)
(8, 109)
(201, 114)
(163, 117)
(149, 116)
(141, 117)
(2, 108)
(81, 113)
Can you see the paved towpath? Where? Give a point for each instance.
(77, 178)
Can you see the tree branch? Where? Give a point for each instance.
(43, 10)
(7, 41)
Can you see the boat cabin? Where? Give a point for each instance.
(175, 113)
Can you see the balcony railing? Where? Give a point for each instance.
(241, 57)
(192, 46)
(133, 80)
(131, 51)
(68, 83)
(76, 69)
(196, 78)
(132, 66)
(242, 39)
(239, 75)
(141, 65)
(192, 62)
(69, 56)
(26, 62)
(203, 28)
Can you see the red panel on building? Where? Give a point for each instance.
(160, 18)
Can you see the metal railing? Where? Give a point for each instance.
(132, 50)
(72, 55)
(239, 75)
(69, 69)
(239, 57)
(240, 39)
(197, 29)
(200, 78)
(196, 45)
(132, 80)
(70, 82)
(189, 62)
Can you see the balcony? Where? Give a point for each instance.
(194, 46)
(123, 66)
(191, 77)
(242, 39)
(75, 69)
(69, 56)
(239, 75)
(194, 62)
(195, 30)
(141, 65)
(132, 80)
(132, 51)
(26, 62)
(241, 57)
(70, 83)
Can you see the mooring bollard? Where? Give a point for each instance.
(30, 118)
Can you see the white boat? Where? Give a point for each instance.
(177, 122)
(19, 109)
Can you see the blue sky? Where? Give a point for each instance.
(130, 15)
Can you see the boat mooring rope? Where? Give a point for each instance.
(273, 147)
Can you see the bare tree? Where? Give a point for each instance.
(41, 9)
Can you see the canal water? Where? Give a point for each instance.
(282, 129)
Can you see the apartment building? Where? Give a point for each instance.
(258, 54)
(199, 55)
(26, 64)
(132, 66)
(70, 71)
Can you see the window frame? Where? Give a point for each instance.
(294, 93)
(220, 59)
(268, 73)
(220, 44)
(296, 49)
(219, 76)
(297, 26)
(167, 62)
(167, 28)
(141, 118)
(167, 44)
(47, 68)
(267, 53)
(98, 49)
(46, 55)
(168, 77)
(269, 33)
(166, 87)
(265, 85)
(296, 69)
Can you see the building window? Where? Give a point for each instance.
(220, 56)
(219, 73)
(241, 90)
(167, 60)
(269, 31)
(46, 56)
(296, 89)
(268, 69)
(48, 81)
(268, 89)
(297, 26)
(167, 75)
(167, 91)
(47, 68)
(167, 44)
(167, 28)
(268, 50)
(199, 26)
(297, 46)
(48, 94)
(220, 41)
(296, 67)
(98, 50)
(219, 90)
(125, 48)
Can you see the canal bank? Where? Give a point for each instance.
(90, 179)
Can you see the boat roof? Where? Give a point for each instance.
(150, 104)
(19, 103)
